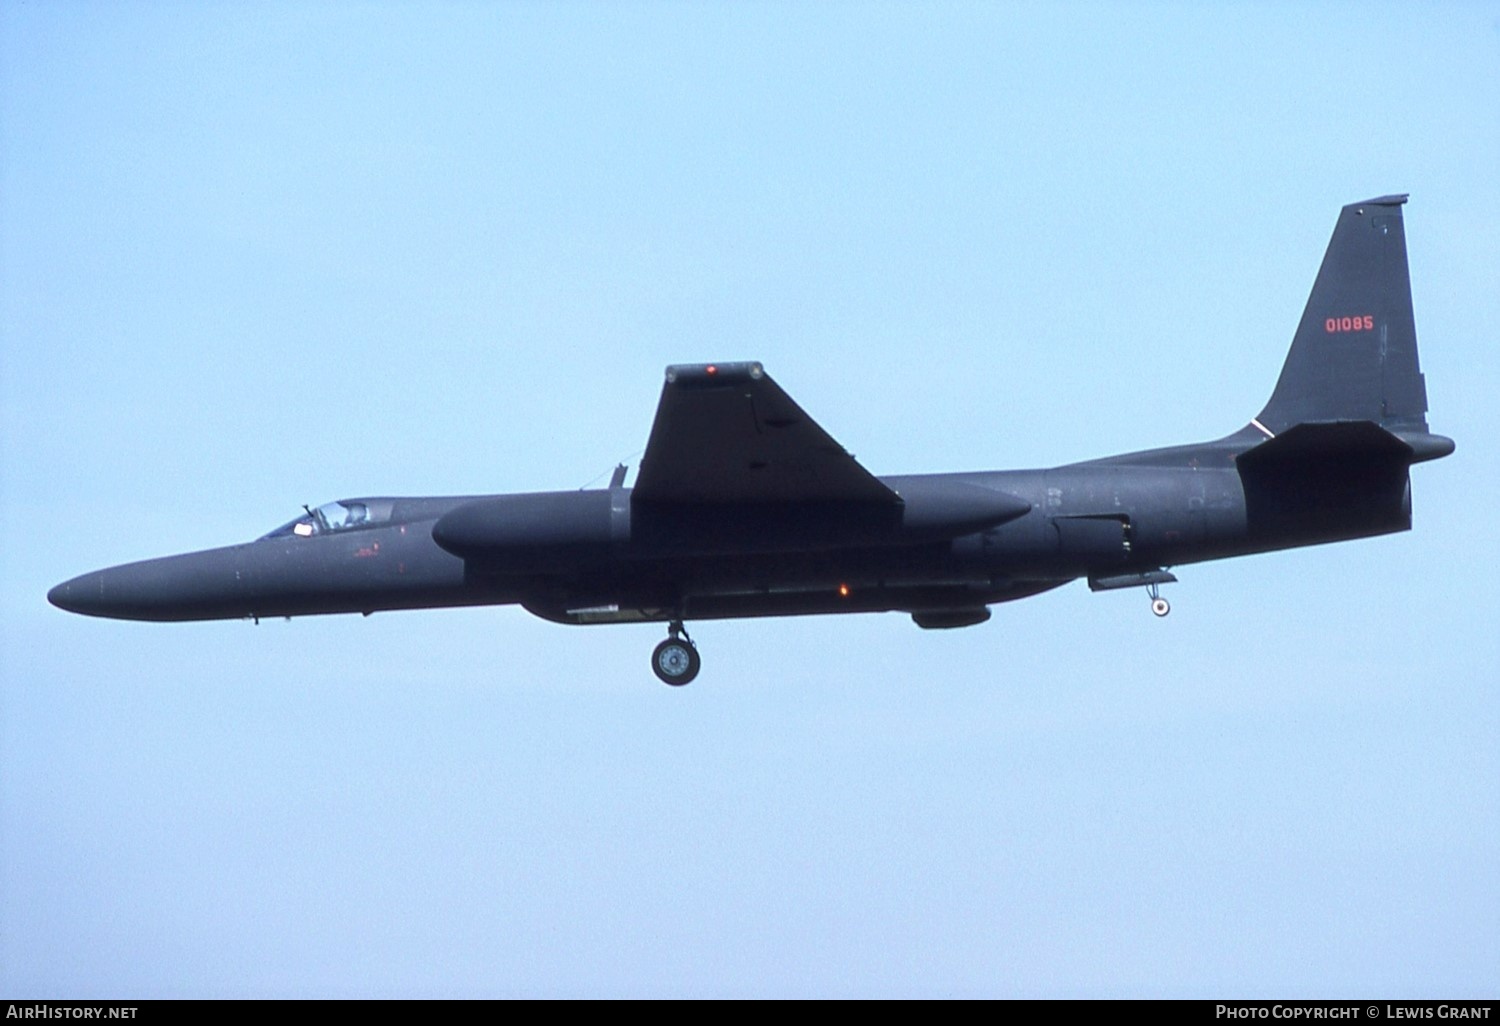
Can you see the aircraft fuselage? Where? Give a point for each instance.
(592, 556)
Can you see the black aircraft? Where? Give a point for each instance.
(744, 506)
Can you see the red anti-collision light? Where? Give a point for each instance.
(711, 369)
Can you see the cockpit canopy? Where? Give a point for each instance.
(343, 515)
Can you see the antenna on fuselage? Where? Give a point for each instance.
(617, 476)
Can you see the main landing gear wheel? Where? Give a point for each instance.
(675, 661)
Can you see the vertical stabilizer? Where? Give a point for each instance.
(1354, 356)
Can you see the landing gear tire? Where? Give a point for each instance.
(1159, 606)
(676, 661)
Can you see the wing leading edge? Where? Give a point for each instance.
(727, 433)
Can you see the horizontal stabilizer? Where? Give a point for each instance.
(1337, 441)
(1426, 446)
(1327, 482)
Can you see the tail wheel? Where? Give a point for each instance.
(1160, 606)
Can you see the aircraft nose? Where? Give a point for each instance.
(80, 595)
(197, 586)
(130, 592)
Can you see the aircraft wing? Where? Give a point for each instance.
(727, 433)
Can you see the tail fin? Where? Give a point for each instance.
(1354, 356)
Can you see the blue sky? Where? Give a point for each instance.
(256, 256)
